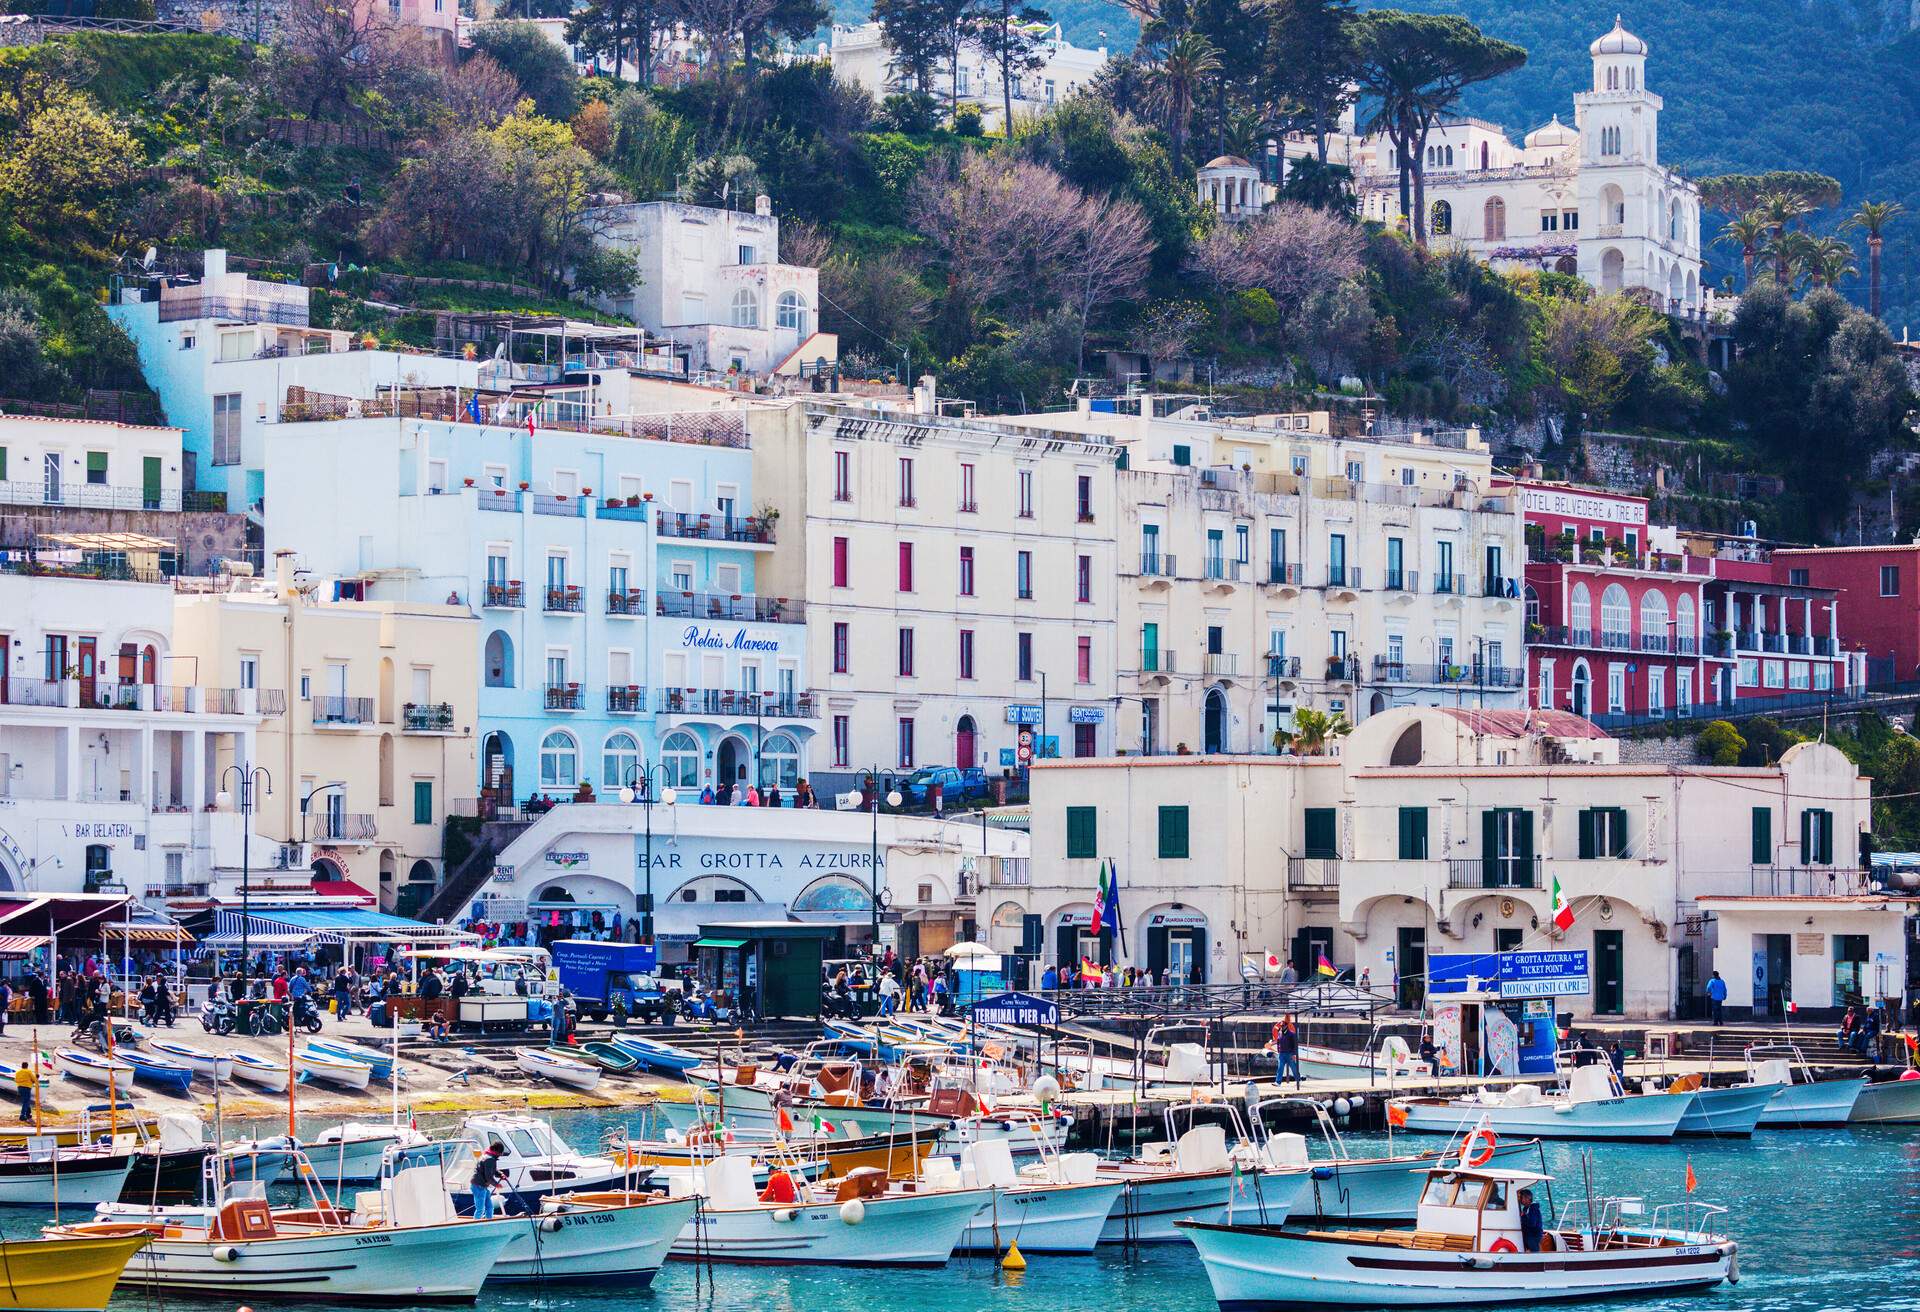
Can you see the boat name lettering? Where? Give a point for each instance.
(367, 1241)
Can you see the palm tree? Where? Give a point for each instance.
(1872, 218)
(1793, 254)
(1781, 208)
(1829, 260)
(1749, 233)
(1313, 730)
(1174, 78)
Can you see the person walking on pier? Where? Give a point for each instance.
(1717, 997)
(1285, 1046)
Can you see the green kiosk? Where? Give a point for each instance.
(772, 965)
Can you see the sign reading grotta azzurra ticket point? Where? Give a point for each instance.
(1016, 1009)
(1512, 974)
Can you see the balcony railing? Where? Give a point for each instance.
(1153, 565)
(566, 599)
(563, 697)
(1343, 669)
(727, 701)
(1313, 874)
(1472, 674)
(628, 601)
(1715, 644)
(1157, 660)
(1799, 644)
(1283, 667)
(1616, 639)
(1281, 574)
(1229, 571)
(715, 606)
(713, 528)
(1655, 642)
(427, 717)
(505, 594)
(1225, 663)
(72, 495)
(244, 309)
(1746, 639)
(1826, 647)
(1450, 584)
(343, 710)
(1775, 643)
(1402, 580)
(340, 827)
(1499, 586)
(1494, 872)
(627, 701)
(1343, 576)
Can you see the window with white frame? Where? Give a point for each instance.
(1683, 687)
(1798, 675)
(556, 667)
(791, 311)
(559, 761)
(746, 308)
(680, 753)
(1544, 686)
(1823, 676)
(1773, 674)
(495, 475)
(619, 761)
(1616, 689)
(780, 761)
(1749, 672)
(1656, 689)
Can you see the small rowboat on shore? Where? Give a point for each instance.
(333, 1070)
(215, 1066)
(269, 1075)
(92, 1067)
(560, 1069)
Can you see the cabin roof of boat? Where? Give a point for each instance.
(1505, 1173)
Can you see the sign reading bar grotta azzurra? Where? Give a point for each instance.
(1016, 1009)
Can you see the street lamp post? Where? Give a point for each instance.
(645, 795)
(247, 777)
(873, 870)
(306, 808)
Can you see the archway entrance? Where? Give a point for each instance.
(496, 769)
(730, 763)
(964, 743)
(1582, 689)
(1214, 731)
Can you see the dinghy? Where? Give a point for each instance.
(269, 1075)
(214, 1066)
(380, 1063)
(604, 1055)
(559, 1069)
(159, 1072)
(92, 1067)
(333, 1070)
(656, 1056)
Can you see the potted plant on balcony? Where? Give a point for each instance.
(467, 481)
(525, 486)
(633, 501)
(1536, 631)
(586, 492)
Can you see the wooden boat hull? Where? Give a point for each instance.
(80, 1181)
(214, 1066)
(1261, 1268)
(64, 1275)
(334, 1070)
(605, 1056)
(379, 1063)
(86, 1067)
(655, 1056)
(1730, 1113)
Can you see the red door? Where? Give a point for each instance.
(86, 661)
(963, 744)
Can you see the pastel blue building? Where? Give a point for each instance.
(612, 561)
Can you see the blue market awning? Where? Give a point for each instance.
(340, 925)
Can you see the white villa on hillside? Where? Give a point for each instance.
(859, 54)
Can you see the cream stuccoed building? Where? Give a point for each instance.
(1590, 197)
(1267, 565)
(1446, 830)
(859, 54)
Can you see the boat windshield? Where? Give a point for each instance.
(535, 1141)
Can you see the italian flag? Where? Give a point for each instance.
(1562, 909)
(1100, 900)
(821, 1125)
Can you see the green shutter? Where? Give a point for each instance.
(1490, 848)
(1321, 839)
(3, 464)
(1826, 837)
(1413, 833)
(1082, 832)
(423, 801)
(96, 465)
(1587, 844)
(1762, 836)
(1806, 838)
(1173, 833)
(1618, 844)
(1182, 455)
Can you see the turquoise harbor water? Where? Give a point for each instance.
(1826, 1219)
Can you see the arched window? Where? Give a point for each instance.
(780, 761)
(1613, 78)
(746, 309)
(1616, 616)
(1613, 204)
(1683, 627)
(1533, 605)
(559, 761)
(791, 311)
(1496, 218)
(1580, 614)
(1483, 154)
(1449, 156)
(499, 660)
(1442, 219)
(619, 761)
(1673, 221)
(680, 753)
(1653, 622)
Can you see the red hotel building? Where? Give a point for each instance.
(1631, 619)
(1881, 587)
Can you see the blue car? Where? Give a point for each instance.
(956, 785)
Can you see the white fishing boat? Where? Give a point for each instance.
(1890, 1102)
(214, 1066)
(561, 1070)
(41, 1174)
(1728, 1113)
(1194, 1176)
(535, 1161)
(1466, 1250)
(1057, 1205)
(1391, 1058)
(1590, 1105)
(93, 1067)
(333, 1070)
(1802, 1101)
(862, 1223)
(269, 1075)
(351, 1152)
(236, 1247)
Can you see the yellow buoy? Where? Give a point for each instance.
(1013, 1261)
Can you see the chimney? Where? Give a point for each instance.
(924, 395)
(216, 265)
(763, 205)
(283, 572)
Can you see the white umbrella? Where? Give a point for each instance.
(971, 950)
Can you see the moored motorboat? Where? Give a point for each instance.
(1889, 1102)
(1801, 1100)
(1194, 1176)
(64, 1275)
(333, 1070)
(352, 1151)
(1729, 1113)
(1059, 1205)
(46, 1175)
(534, 1161)
(819, 1154)
(561, 1070)
(1467, 1249)
(1592, 1105)
(861, 1223)
(266, 1074)
(214, 1066)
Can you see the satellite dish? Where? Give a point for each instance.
(147, 260)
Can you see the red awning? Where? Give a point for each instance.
(341, 888)
(63, 914)
(19, 945)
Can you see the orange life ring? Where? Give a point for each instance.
(1503, 1245)
(1470, 1158)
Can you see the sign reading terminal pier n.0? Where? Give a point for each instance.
(1016, 1009)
